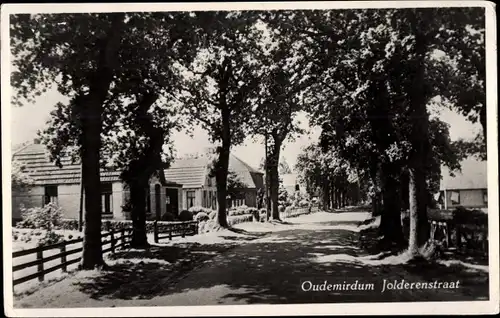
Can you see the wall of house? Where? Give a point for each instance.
(68, 199)
(118, 200)
(471, 198)
(29, 199)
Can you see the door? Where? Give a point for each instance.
(173, 201)
(158, 201)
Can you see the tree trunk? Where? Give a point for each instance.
(138, 213)
(326, 194)
(332, 195)
(483, 121)
(419, 228)
(390, 223)
(375, 198)
(91, 144)
(274, 176)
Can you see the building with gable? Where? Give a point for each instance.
(467, 188)
(63, 187)
(199, 188)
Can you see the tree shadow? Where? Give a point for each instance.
(271, 269)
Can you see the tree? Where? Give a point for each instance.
(374, 112)
(139, 114)
(283, 167)
(286, 76)
(79, 53)
(221, 87)
(20, 181)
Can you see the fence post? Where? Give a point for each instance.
(63, 258)
(39, 257)
(170, 231)
(184, 229)
(112, 234)
(155, 230)
(124, 241)
(458, 237)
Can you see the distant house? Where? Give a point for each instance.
(291, 182)
(468, 188)
(199, 189)
(62, 186)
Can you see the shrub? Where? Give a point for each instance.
(201, 217)
(239, 219)
(281, 208)
(46, 218)
(262, 215)
(168, 217)
(462, 215)
(185, 215)
(304, 203)
(50, 238)
(212, 215)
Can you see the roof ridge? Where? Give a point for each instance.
(250, 168)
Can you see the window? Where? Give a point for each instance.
(238, 202)
(204, 204)
(50, 195)
(485, 196)
(297, 187)
(107, 198)
(190, 195)
(455, 197)
(148, 200)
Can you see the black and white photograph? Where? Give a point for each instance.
(204, 158)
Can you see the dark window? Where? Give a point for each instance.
(190, 195)
(205, 204)
(485, 196)
(50, 195)
(148, 200)
(107, 198)
(297, 188)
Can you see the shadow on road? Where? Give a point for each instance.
(272, 269)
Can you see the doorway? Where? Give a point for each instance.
(158, 201)
(173, 201)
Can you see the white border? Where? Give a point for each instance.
(475, 307)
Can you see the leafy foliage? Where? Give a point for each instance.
(45, 218)
(20, 180)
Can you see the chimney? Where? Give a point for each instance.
(36, 141)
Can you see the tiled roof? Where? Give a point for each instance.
(473, 176)
(192, 172)
(189, 172)
(248, 175)
(37, 165)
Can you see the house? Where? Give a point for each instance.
(63, 187)
(292, 183)
(468, 188)
(199, 188)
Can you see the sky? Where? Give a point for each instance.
(30, 118)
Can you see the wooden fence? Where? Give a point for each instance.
(117, 239)
(290, 213)
(174, 229)
(471, 238)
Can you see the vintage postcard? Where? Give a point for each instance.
(251, 158)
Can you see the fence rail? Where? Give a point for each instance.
(117, 239)
(171, 229)
(290, 213)
(462, 237)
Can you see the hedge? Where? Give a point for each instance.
(70, 224)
